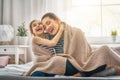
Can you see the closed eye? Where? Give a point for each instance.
(39, 23)
(34, 25)
(48, 23)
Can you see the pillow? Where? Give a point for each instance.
(4, 61)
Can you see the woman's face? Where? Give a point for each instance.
(51, 26)
(37, 28)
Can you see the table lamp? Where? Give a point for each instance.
(6, 34)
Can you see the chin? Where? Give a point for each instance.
(54, 33)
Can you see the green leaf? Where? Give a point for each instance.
(22, 31)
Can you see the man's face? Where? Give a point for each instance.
(51, 26)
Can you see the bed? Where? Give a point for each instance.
(14, 69)
(15, 72)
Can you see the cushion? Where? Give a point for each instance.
(4, 61)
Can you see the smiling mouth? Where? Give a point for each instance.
(51, 30)
(39, 29)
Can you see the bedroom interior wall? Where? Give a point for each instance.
(13, 14)
(17, 11)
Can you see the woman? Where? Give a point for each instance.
(79, 52)
(77, 55)
(84, 58)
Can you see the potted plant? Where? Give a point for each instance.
(114, 34)
(22, 34)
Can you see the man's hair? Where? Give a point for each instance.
(50, 15)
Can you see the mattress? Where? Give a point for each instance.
(14, 69)
(15, 72)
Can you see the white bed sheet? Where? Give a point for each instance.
(13, 69)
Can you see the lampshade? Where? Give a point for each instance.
(6, 33)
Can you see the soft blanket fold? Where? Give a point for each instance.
(78, 51)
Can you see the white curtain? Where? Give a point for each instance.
(1, 11)
(17, 11)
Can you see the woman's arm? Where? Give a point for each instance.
(54, 41)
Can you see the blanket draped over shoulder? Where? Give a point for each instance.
(77, 50)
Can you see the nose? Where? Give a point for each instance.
(37, 26)
(46, 29)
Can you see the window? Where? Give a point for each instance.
(95, 17)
